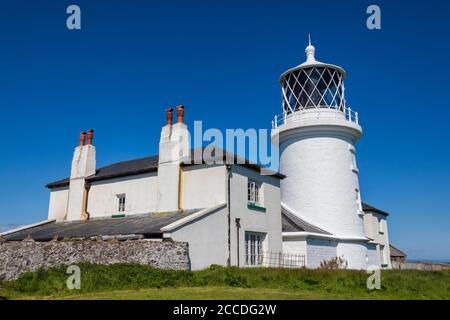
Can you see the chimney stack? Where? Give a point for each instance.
(83, 166)
(174, 149)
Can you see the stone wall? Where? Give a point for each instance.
(25, 256)
(426, 266)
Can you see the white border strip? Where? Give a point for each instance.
(191, 217)
(304, 234)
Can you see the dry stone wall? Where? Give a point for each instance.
(24, 256)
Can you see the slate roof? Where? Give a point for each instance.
(147, 164)
(148, 225)
(367, 207)
(396, 252)
(292, 223)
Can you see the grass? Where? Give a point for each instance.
(124, 281)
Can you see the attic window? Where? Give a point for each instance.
(121, 202)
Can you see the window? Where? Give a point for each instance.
(358, 200)
(254, 193)
(380, 226)
(254, 248)
(383, 259)
(353, 155)
(121, 202)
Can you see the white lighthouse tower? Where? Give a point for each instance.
(317, 132)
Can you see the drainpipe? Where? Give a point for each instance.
(238, 226)
(86, 200)
(228, 166)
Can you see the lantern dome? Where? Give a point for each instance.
(313, 84)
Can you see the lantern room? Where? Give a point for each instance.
(312, 84)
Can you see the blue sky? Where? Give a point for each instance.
(222, 60)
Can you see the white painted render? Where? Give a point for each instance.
(83, 166)
(354, 252)
(296, 247)
(322, 247)
(207, 237)
(140, 195)
(376, 227)
(318, 250)
(57, 208)
(317, 155)
(83, 162)
(173, 150)
(203, 186)
(373, 255)
(77, 198)
(251, 220)
(320, 182)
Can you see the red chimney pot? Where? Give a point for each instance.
(169, 116)
(90, 136)
(82, 138)
(180, 114)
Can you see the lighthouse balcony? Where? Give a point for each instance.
(344, 115)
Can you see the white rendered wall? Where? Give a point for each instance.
(319, 250)
(355, 253)
(140, 191)
(207, 238)
(83, 166)
(57, 208)
(317, 155)
(173, 150)
(320, 182)
(373, 255)
(295, 246)
(268, 222)
(203, 186)
(77, 197)
(372, 222)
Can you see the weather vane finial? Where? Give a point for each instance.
(309, 38)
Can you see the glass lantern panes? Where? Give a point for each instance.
(314, 87)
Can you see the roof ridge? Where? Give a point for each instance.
(126, 168)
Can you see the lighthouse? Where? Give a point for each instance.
(317, 132)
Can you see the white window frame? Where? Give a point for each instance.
(353, 166)
(254, 192)
(380, 226)
(359, 202)
(383, 255)
(121, 202)
(254, 248)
